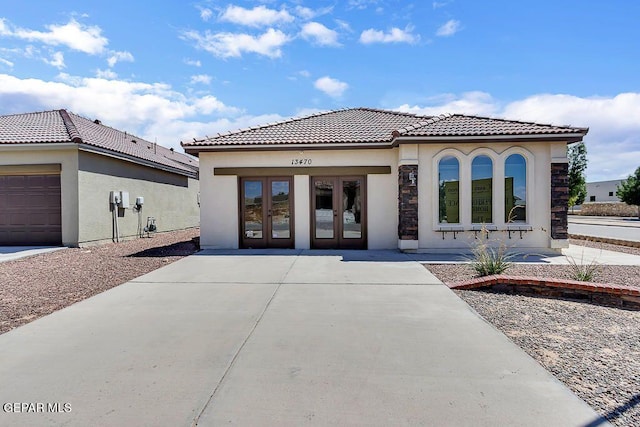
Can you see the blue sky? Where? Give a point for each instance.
(171, 71)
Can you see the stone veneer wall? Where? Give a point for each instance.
(559, 200)
(407, 203)
(608, 209)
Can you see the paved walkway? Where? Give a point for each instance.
(279, 338)
(10, 253)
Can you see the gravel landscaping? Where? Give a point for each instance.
(594, 350)
(35, 286)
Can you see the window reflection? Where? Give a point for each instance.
(324, 209)
(351, 210)
(253, 209)
(482, 190)
(449, 190)
(515, 189)
(280, 215)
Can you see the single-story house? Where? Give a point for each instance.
(368, 178)
(66, 179)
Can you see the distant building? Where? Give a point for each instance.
(603, 191)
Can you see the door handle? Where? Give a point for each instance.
(335, 212)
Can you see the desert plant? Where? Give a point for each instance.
(488, 259)
(581, 271)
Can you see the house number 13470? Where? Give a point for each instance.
(300, 162)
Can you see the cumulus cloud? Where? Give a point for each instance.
(259, 16)
(74, 35)
(319, 34)
(449, 28)
(116, 57)
(226, 45)
(132, 106)
(6, 62)
(201, 78)
(330, 86)
(106, 74)
(57, 60)
(613, 141)
(394, 35)
(308, 14)
(193, 62)
(205, 14)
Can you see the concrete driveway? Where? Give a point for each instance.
(276, 338)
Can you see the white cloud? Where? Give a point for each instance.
(360, 4)
(205, 14)
(473, 103)
(225, 45)
(133, 106)
(116, 57)
(57, 60)
(613, 141)
(195, 63)
(74, 35)
(449, 28)
(106, 74)
(395, 35)
(439, 4)
(201, 78)
(6, 62)
(330, 86)
(304, 73)
(259, 16)
(319, 34)
(344, 25)
(308, 14)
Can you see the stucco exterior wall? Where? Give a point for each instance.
(219, 194)
(171, 199)
(67, 156)
(538, 157)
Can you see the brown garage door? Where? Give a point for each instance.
(30, 212)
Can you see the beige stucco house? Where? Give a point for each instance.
(366, 178)
(64, 179)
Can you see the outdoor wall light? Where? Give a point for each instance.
(412, 179)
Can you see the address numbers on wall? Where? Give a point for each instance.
(300, 162)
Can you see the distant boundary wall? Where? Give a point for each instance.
(607, 209)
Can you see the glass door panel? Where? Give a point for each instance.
(253, 210)
(351, 209)
(324, 223)
(280, 210)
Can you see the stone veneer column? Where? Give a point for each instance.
(559, 200)
(407, 207)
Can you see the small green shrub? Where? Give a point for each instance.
(487, 260)
(581, 271)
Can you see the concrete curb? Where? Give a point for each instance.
(630, 243)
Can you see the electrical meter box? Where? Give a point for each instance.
(114, 197)
(139, 201)
(124, 200)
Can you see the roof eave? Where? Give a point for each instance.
(137, 160)
(195, 149)
(567, 137)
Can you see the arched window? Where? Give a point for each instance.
(449, 190)
(482, 190)
(515, 189)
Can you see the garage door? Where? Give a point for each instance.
(30, 210)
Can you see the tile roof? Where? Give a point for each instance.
(59, 126)
(462, 125)
(356, 125)
(366, 125)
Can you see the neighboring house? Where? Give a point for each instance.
(58, 171)
(367, 178)
(603, 191)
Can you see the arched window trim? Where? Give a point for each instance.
(483, 151)
(530, 181)
(462, 166)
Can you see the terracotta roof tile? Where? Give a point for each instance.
(60, 126)
(356, 125)
(367, 125)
